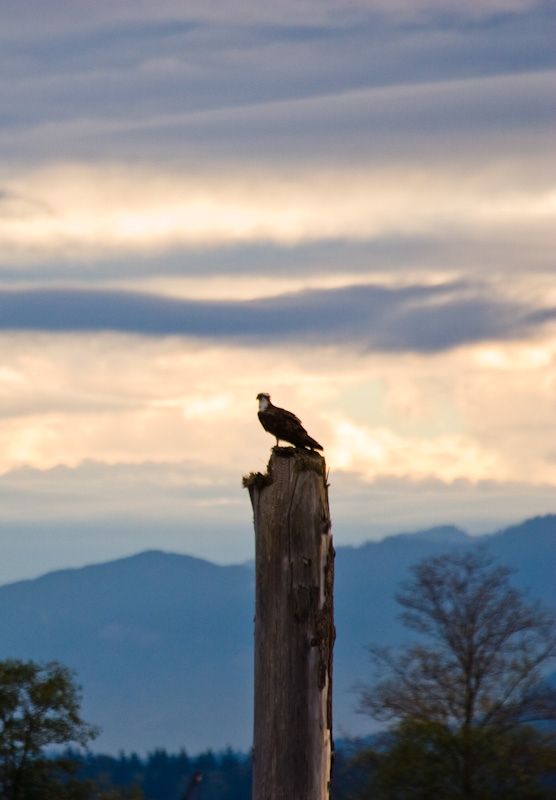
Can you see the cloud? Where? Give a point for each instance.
(155, 434)
(143, 132)
(95, 489)
(483, 117)
(117, 398)
(349, 206)
(396, 184)
(374, 451)
(411, 318)
(95, 512)
(397, 504)
(199, 56)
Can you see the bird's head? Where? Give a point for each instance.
(264, 399)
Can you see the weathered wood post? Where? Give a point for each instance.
(294, 628)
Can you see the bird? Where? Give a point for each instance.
(283, 424)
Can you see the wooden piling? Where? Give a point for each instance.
(294, 628)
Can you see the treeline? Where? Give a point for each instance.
(227, 776)
(164, 776)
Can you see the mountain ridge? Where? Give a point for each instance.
(162, 642)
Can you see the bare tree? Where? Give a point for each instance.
(477, 676)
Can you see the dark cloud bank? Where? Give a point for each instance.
(418, 318)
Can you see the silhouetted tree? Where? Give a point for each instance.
(464, 701)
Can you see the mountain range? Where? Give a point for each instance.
(162, 643)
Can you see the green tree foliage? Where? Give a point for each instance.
(39, 707)
(464, 703)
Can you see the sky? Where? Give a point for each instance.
(349, 205)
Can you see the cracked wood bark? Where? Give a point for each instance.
(294, 628)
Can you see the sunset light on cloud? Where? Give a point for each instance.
(75, 213)
(351, 207)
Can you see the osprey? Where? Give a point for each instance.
(283, 424)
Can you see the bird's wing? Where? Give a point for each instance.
(291, 417)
